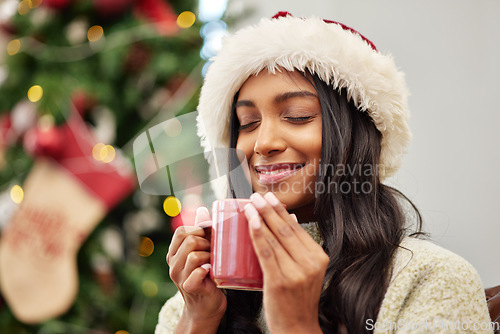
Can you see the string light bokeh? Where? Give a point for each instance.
(103, 153)
(146, 247)
(95, 33)
(35, 93)
(172, 206)
(186, 19)
(13, 47)
(17, 194)
(24, 7)
(149, 288)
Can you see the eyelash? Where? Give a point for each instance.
(291, 119)
(299, 119)
(246, 126)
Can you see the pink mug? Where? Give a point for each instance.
(233, 259)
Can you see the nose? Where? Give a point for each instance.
(269, 140)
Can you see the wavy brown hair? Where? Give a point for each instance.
(361, 221)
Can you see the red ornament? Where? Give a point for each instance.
(82, 101)
(105, 279)
(56, 4)
(175, 83)
(44, 142)
(7, 135)
(112, 8)
(160, 13)
(8, 28)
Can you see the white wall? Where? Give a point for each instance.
(450, 52)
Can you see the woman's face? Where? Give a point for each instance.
(280, 134)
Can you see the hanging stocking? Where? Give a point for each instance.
(66, 195)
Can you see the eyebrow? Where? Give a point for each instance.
(279, 98)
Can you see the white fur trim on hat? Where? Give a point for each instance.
(337, 55)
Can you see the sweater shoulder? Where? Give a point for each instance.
(424, 257)
(430, 283)
(422, 266)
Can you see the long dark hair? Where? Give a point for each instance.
(361, 221)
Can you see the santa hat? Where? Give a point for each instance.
(338, 54)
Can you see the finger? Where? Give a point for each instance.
(281, 228)
(202, 214)
(189, 244)
(277, 264)
(291, 220)
(196, 259)
(312, 254)
(202, 217)
(273, 258)
(195, 282)
(177, 263)
(179, 235)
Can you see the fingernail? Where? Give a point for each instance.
(202, 210)
(254, 223)
(272, 199)
(294, 216)
(252, 216)
(206, 266)
(258, 200)
(250, 211)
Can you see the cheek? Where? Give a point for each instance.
(310, 143)
(316, 143)
(245, 145)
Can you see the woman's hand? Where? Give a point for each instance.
(293, 265)
(188, 257)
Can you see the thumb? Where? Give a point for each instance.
(202, 216)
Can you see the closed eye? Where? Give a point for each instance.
(299, 119)
(247, 126)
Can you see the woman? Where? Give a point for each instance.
(322, 119)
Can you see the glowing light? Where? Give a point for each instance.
(34, 3)
(211, 10)
(146, 247)
(13, 47)
(24, 7)
(173, 127)
(209, 28)
(107, 154)
(214, 33)
(149, 288)
(16, 194)
(121, 331)
(95, 33)
(96, 151)
(35, 93)
(46, 122)
(104, 153)
(172, 206)
(186, 19)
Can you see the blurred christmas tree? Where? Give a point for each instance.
(121, 65)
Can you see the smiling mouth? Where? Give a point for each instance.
(277, 172)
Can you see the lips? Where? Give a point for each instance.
(274, 173)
